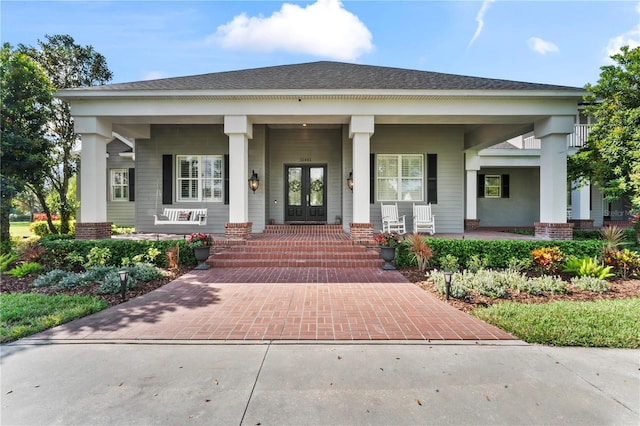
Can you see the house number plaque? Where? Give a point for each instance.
(305, 159)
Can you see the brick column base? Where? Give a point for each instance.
(581, 223)
(361, 233)
(93, 230)
(238, 231)
(554, 231)
(471, 224)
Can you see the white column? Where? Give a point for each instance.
(240, 130)
(361, 129)
(472, 165)
(553, 132)
(580, 202)
(93, 175)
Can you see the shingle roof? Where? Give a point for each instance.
(328, 75)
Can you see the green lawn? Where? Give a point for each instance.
(23, 314)
(20, 229)
(604, 323)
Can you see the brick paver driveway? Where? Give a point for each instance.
(281, 304)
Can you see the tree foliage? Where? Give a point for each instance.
(68, 65)
(26, 94)
(610, 158)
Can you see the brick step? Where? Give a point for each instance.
(294, 247)
(304, 229)
(301, 263)
(295, 255)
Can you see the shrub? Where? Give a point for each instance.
(96, 274)
(72, 280)
(476, 263)
(587, 267)
(41, 228)
(145, 272)
(98, 256)
(547, 258)
(30, 250)
(625, 262)
(594, 284)
(6, 260)
(420, 251)
(485, 282)
(26, 269)
(456, 289)
(613, 237)
(549, 283)
(449, 263)
(121, 230)
(111, 284)
(520, 265)
(51, 278)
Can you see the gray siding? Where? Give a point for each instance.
(445, 141)
(176, 140)
(522, 208)
(304, 146)
(257, 162)
(119, 212)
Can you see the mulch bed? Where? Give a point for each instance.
(9, 284)
(619, 289)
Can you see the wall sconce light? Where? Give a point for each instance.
(350, 181)
(124, 277)
(254, 182)
(447, 284)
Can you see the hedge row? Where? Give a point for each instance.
(497, 252)
(594, 234)
(58, 249)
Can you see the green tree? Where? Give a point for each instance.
(26, 95)
(610, 158)
(68, 65)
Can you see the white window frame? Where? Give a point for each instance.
(215, 180)
(487, 188)
(399, 179)
(124, 187)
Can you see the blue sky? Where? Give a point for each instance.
(538, 41)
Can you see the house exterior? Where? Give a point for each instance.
(403, 136)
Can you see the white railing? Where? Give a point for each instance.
(577, 139)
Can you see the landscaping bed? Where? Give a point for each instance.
(619, 289)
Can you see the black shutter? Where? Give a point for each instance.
(167, 179)
(226, 178)
(132, 184)
(372, 179)
(432, 178)
(480, 186)
(505, 186)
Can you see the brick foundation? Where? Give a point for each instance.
(471, 224)
(238, 231)
(554, 231)
(93, 230)
(361, 233)
(581, 223)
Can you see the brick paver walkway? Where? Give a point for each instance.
(315, 304)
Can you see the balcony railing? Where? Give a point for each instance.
(577, 139)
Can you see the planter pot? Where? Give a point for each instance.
(388, 254)
(202, 254)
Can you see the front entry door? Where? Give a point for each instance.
(305, 189)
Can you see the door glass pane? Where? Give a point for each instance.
(316, 186)
(295, 186)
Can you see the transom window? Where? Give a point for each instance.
(400, 177)
(199, 177)
(492, 186)
(119, 185)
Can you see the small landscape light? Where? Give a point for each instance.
(447, 284)
(124, 277)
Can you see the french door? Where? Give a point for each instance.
(305, 192)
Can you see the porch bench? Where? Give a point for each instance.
(181, 217)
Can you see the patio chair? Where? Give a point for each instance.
(423, 219)
(391, 222)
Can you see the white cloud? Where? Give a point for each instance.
(154, 75)
(480, 19)
(324, 28)
(631, 38)
(541, 46)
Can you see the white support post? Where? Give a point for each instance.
(239, 130)
(361, 129)
(472, 165)
(93, 175)
(580, 202)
